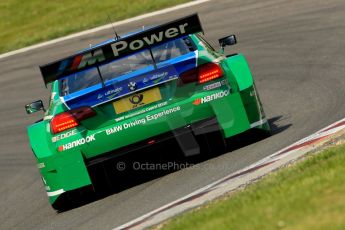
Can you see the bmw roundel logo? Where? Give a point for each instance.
(132, 86)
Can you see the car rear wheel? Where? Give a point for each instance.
(73, 199)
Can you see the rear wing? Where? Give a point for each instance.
(120, 48)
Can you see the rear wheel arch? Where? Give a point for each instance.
(241, 71)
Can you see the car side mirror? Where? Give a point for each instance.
(34, 107)
(227, 41)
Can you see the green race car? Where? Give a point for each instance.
(135, 91)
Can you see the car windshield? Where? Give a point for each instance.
(131, 63)
(79, 81)
(135, 64)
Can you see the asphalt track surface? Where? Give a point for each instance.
(295, 50)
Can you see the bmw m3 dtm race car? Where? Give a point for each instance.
(126, 93)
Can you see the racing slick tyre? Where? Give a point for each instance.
(72, 199)
(212, 144)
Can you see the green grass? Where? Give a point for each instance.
(23, 23)
(309, 195)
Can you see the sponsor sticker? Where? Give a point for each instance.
(215, 85)
(133, 45)
(211, 97)
(119, 128)
(162, 114)
(110, 93)
(144, 120)
(64, 135)
(158, 77)
(76, 143)
(159, 105)
(137, 100)
(132, 86)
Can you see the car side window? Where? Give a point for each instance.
(172, 49)
(205, 43)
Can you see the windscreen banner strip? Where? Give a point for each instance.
(121, 47)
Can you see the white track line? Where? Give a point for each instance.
(234, 180)
(108, 26)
